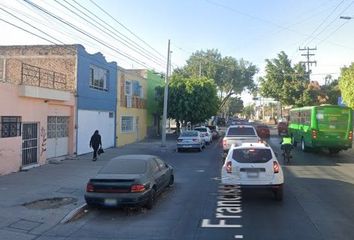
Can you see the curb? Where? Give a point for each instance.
(74, 214)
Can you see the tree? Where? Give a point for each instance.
(231, 76)
(346, 84)
(285, 83)
(233, 105)
(190, 99)
(248, 111)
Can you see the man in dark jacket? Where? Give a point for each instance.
(95, 143)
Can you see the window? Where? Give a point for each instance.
(58, 127)
(242, 131)
(127, 124)
(160, 163)
(249, 155)
(137, 89)
(10, 126)
(128, 88)
(98, 78)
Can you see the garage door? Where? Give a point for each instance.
(58, 136)
(88, 122)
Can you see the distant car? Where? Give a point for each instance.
(190, 140)
(263, 131)
(129, 180)
(238, 134)
(205, 134)
(253, 165)
(282, 128)
(214, 131)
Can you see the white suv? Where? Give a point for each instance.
(205, 133)
(253, 165)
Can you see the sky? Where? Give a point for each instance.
(134, 33)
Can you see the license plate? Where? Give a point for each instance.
(252, 173)
(186, 146)
(110, 202)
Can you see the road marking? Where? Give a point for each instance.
(239, 236)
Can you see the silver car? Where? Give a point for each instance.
(190, 140)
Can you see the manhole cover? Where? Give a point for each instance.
(50, 203)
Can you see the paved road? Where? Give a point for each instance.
(318, 204)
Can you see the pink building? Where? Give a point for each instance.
(37, 105)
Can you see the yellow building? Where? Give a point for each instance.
(131, 106)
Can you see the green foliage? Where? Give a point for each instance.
(285, 83)
(249, 111)
(231, 76)
(233, 105)
(346, 85)
(190, 99)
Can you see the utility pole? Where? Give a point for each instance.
(165, 98)
(308, 62)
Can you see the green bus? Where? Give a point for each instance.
(324, 126)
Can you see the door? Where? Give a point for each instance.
(58, 136)
(29, 144)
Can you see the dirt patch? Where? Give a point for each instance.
(50, 203)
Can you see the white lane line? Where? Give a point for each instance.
(238, 236)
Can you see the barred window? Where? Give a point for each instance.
(98, 78)
(10, 126)
(127, 124)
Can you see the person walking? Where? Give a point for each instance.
(95, 143)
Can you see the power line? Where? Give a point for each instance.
(114, 19)
(86, 33)
(126, 40)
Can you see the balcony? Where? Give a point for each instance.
(42, 83)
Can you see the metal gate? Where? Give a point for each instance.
(29, 144)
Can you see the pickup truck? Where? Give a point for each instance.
(238, 134)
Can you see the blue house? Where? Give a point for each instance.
(96, 99)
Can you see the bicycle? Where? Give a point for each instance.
(287, 153)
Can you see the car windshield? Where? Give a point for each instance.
(252, 155)
(189, 134)
(241, 131)
(125, 166)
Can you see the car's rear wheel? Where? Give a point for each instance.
(151, 201)
(278, 194)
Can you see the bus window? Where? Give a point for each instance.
(332, 119)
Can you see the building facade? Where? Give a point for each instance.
(153, 113)
(37, 111)
(96, 99)
(132, 114)
(53, 97)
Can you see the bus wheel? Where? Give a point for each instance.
(334, 150)
(303, 147)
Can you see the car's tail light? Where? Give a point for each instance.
(90, 187)
(229, 167)
(276, 167)
(179, 140)
(350, 135)
(137, 188)
(314, 134)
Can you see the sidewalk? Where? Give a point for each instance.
(62, 184)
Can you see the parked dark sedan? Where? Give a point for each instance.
(263, 131)
(129, 180)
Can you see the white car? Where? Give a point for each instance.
(205, 133)
(253, 165)
(190, 140)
